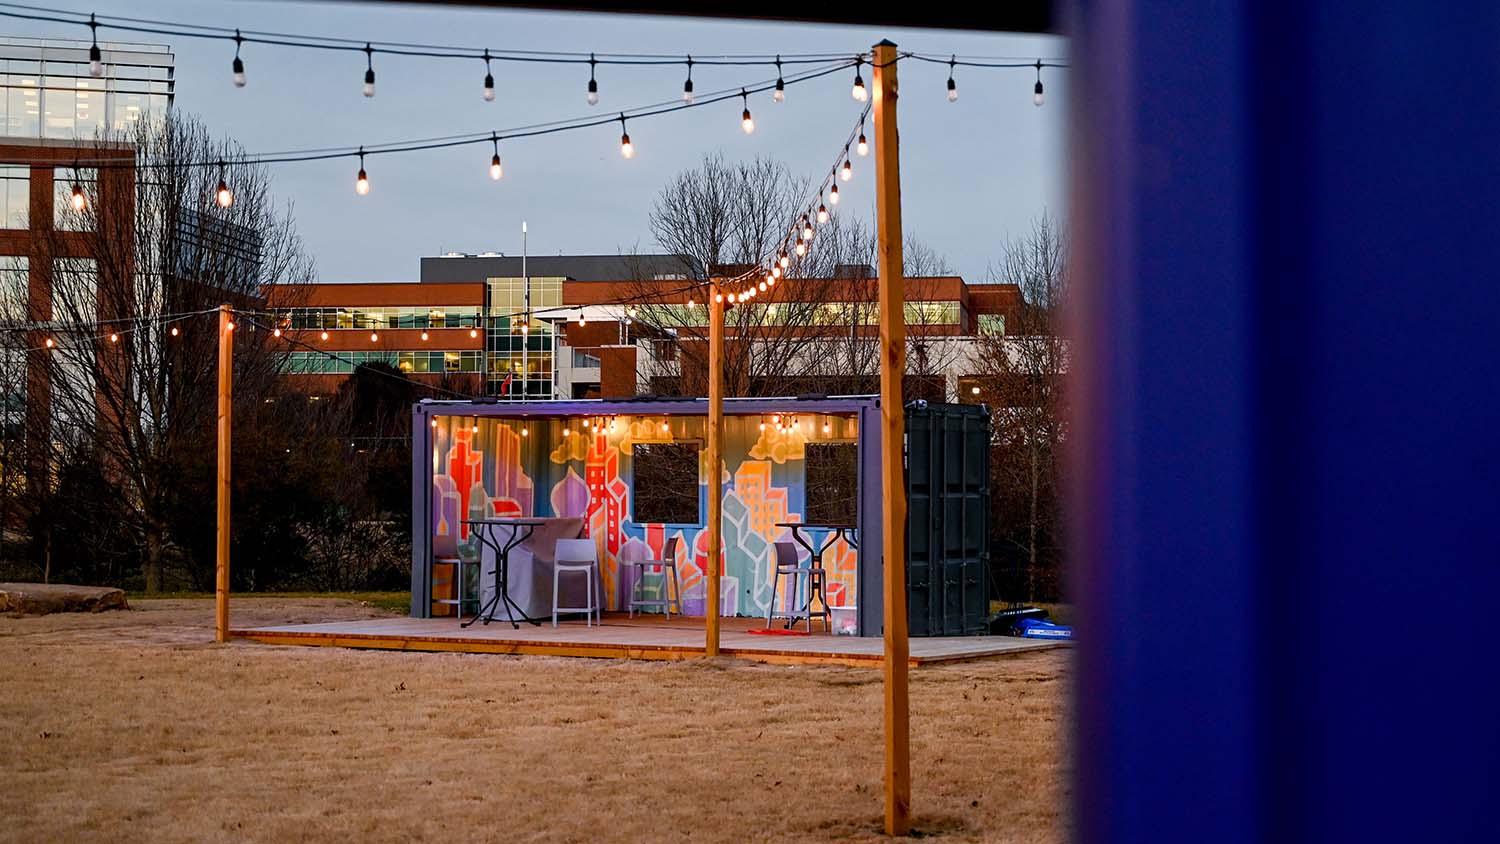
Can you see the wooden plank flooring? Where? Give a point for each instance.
(652, 637)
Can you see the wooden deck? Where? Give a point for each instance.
(649, 637)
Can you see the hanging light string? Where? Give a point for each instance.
(114, 330)
(773, 267)
(486, 137)
(428, 51)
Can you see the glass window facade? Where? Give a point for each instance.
(378, 317)
(64, 217)
(46, 90)
(526, 357)
(15, 286)
(992, 324)
(15, 196)
(417, 361)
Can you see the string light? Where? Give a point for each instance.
(593, 97)
(424, 337)
(567, 432)
(49, 342)
(807, 229)
(239, 65)
(719, 297)
(96, 58)
(779, 95)
(78, 199)
(784, 261)
(174, 334)
(496, 171)
(687, 87)
(434, 422)
(1037, 97)
(847, 171)
(833, 195)
(322, 336)
(276, 332)
(525, 432)
(827, 428)
(114, 338)
(581, 321)
(746, 121)
(473, 333)
(362, 181)
(228, 326)
(775, 273)
(859, 93)
(489, 80)
(374, 337)
(223, 195)
(627, 149)
(369, 89)
(822, 215)
(801, 249)
(952, 86)
(863, 146)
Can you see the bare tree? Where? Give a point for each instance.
(731, 218)
(132, 369)
(1024, 371)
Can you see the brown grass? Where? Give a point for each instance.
(133, 726)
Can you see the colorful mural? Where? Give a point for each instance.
(490, 467)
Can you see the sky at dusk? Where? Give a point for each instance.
(974, 172)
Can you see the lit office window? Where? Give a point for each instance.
(15, 196)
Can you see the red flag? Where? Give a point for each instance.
(505, 385)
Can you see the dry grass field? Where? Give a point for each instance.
(134, 726)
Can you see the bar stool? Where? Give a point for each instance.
(577, 555)
(667, 563)
(786, 564)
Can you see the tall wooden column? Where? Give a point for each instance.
(892, 439)
(711, 602)
(226, 397)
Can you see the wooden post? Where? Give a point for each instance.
(892, 440)
(711, 601)
(226, 376)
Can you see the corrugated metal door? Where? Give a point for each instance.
(948, 496)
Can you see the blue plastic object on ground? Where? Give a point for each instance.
(1032, 628)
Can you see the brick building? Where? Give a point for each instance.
(612, 326)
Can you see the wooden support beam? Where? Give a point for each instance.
(892, 438)
(711, 602)
(226, 397)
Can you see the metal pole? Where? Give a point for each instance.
(715, 462)
(526, 318)
(226, 387)
(892, 437)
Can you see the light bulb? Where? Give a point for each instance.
(801, 249)
(323, 336)
(833, 196)
(764, 287)
(775, 274)
(424, 337)
(489, 88)
(434, 423)
(863, 146)
(627, 149)
(114, 338)
(974, 390)
(223, 195)
(96, 61)
(747, 122)
(718, 297)
(762, 426)
(784, 261)
(362, 183)
(847, 171)
(687, 86)
(78, 200)
(473, 333)
(525, 432)
(50, 343)
(525, 326)
(822, 214)
(1038, 97)
(665, 428)
(374, 337)
(593, 97)
(952, 90)
(730, 299)
(691, 303)
(369, 89)
(475, 428)
(174, 334)
(827, 428)
(567, 432)
(276, 332)
(239, 72)
(228, 326)
(779, 95)
(496, 171)
(859, 92)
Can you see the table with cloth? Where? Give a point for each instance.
(530, 568)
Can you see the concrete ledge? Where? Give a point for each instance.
(43, 598)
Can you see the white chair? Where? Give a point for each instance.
(577, 555)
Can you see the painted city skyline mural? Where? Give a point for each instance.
(484, 468)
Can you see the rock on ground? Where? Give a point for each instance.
(43, 598)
